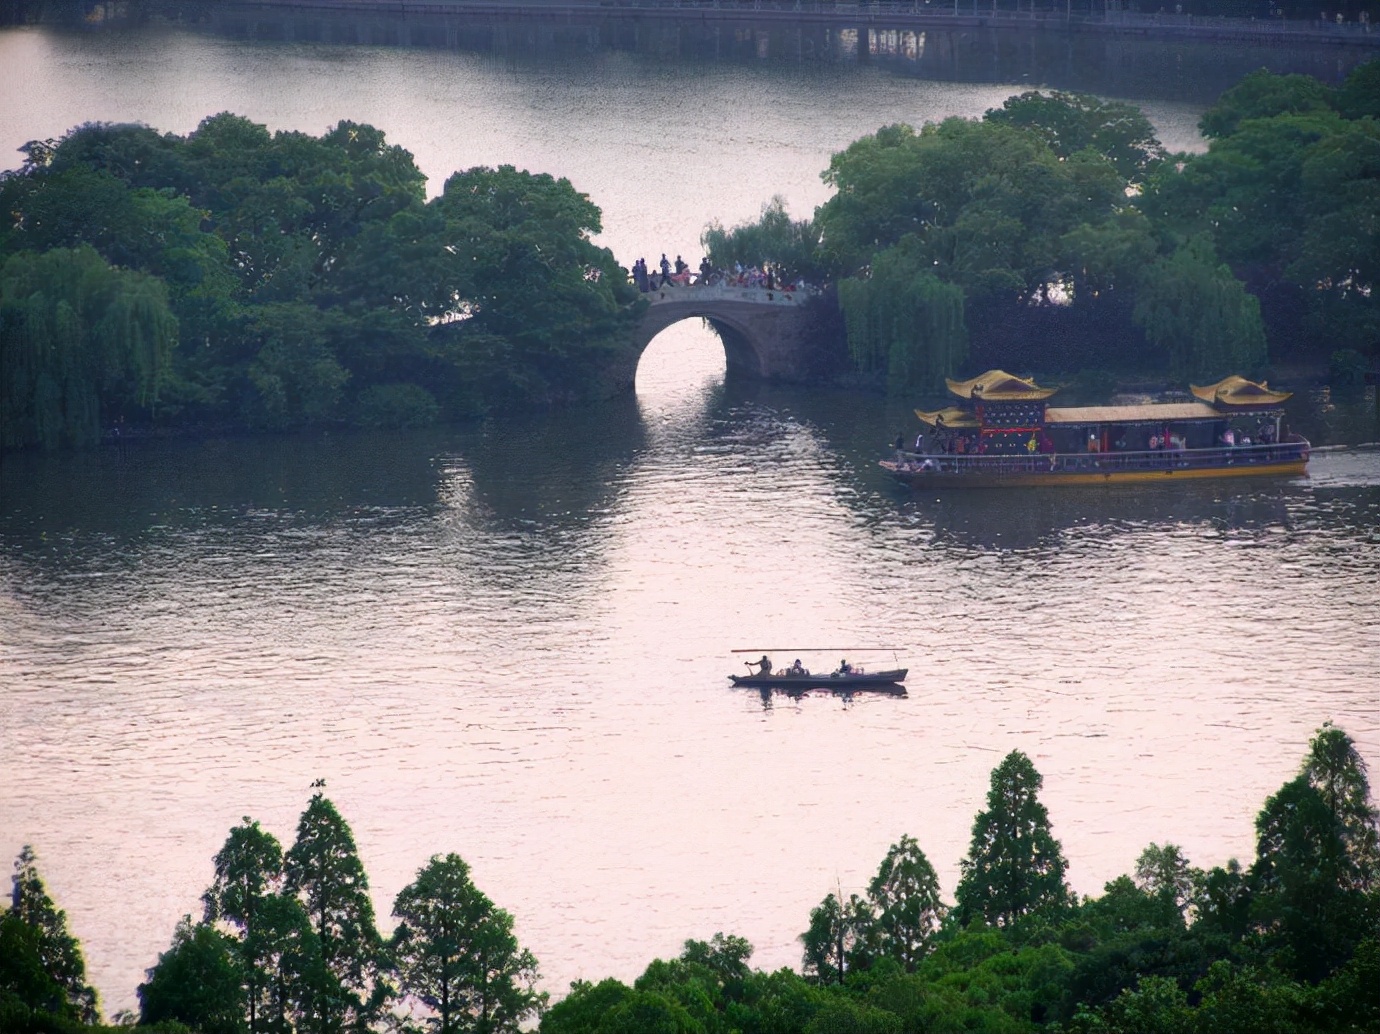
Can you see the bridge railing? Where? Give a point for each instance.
(728, 293)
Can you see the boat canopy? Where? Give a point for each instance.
(1238, 392)
(951, 417)
(999, 386)
(1149, 413)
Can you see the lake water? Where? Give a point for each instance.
(511, 641)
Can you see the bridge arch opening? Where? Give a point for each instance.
(762, 334)
(681, 364)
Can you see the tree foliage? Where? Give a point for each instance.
(78, 337)
(198, 982)
(1014, 866)
(42, 936)
(297, 273)
(1073, 122)
(904, 322)
(905, 894)
(774, 240)
(840, 939)
(456, 954)
(323, 869)
(1201, 315)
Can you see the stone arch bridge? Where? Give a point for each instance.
(765, 333)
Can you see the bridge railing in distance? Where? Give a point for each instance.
(725, 292)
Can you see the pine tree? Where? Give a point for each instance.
(324, 870)
(249, 876)
(1337, 771)
(905, 893)
(58, 951)
(455, 952)
(1014, 866)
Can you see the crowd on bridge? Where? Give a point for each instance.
(679, 274)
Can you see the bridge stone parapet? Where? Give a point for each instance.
(764, 332)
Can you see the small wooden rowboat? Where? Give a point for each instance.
(853, 680)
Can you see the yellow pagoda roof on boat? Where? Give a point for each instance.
(1237, 391)
(1000, 386)
(1148, 413)
(950, 417)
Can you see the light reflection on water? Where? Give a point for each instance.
(511, 642)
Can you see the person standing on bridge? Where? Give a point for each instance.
(706, 270)
(665, 268)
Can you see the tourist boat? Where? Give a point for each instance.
(852, 680)
(1004, 432)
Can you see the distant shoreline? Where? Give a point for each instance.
(1129, 26)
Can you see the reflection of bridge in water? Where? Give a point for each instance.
(765, 333)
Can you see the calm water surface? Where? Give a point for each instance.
(512, 641)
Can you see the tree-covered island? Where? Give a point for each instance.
(288, 941)
(235, 278)
(1056, 235)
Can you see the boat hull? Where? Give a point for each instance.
(855, 681)
(1006, 479)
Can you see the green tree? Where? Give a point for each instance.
(540, 312)
(1302, 878)
(58, 952)
(1192, 306)
(26, 987)
(724, 955)
(583, 1009)
(1237, 997)
(775, 239)
(1157, 1006)
(842, 937)
(74, 334)
(844, 1017)
(1072, 122)
(198, 982)
(324, 870)
(1261, 95)
(649, 1012)
(903, 321)
(1014, 866)
(1164, 872)
(244, 895)
(1359, 95)
(455, 953)
(1335, 768)
(1224, 902)
(905, 894)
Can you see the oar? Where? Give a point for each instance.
(819, 649)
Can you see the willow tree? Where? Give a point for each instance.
(903, 321)
(1192, 306)
(75, 331)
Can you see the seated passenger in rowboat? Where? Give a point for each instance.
(844, 669)
(797, 668)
